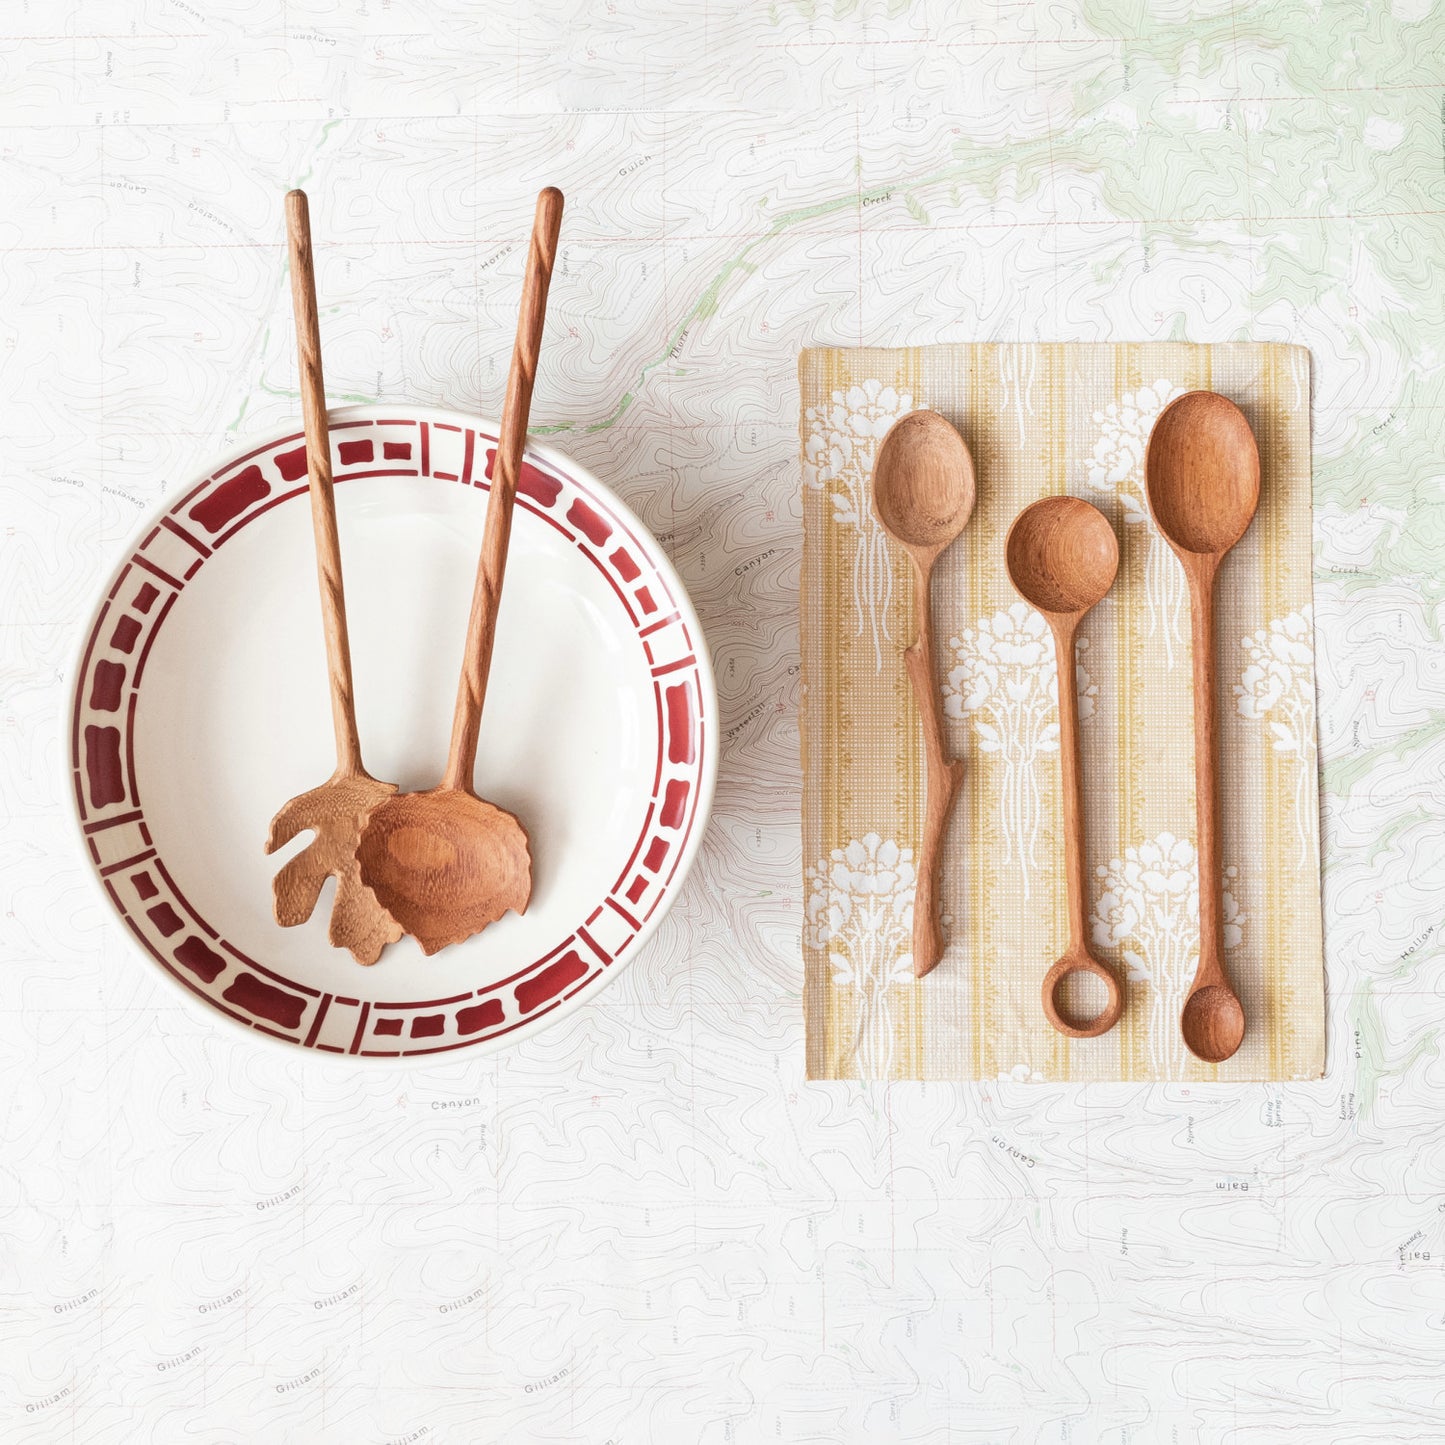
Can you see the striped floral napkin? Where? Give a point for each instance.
(1043, 419)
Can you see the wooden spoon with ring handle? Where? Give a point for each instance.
(1062, 558)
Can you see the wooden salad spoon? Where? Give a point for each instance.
(1062, 559)
(1201, 473)
(336, 811)
(445, 863)
(923, 495)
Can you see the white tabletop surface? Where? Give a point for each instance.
(644, 1225)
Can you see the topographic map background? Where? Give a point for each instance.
(645, 1226)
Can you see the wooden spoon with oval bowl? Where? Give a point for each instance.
(1062, 559)
(1201, 473)
(445, 863)
(337, 811)
(923, 494)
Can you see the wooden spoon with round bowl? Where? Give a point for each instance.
(445, 863)
(1201, 473)
(1062, 559)
(337, 811)
(923, 495)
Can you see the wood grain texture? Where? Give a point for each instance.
(446, 863)
(1202, 480)
(337, 811)
(943, 776)
(319, 483)
(1062, 558)
(923, 494)
(487, 596)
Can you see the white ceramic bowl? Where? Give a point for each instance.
(200, 706)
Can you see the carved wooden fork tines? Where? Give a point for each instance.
(338, 810)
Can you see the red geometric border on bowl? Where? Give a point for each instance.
(112, 815)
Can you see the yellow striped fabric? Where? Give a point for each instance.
(1042, 419)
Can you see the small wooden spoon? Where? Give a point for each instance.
(1201, 473)
(336, 811)
(923, 494)
(445, 863)
(1062, 558)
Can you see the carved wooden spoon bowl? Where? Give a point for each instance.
(446, 863)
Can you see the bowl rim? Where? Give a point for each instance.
(707, 779)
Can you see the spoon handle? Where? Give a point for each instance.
(1078, 959)
(1201, 570)
(318, 469)
(941, 780)
(1074, 860)
(487, 595)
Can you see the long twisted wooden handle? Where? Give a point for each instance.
(318, 467)
(482, 626)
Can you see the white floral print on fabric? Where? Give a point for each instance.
(838, 458)
(1277, 687)
(1117, 467)
(860, 909)
(1020, 1074)
(1148, 908)
(1005, 677)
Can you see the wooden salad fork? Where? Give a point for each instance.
(337, 811)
